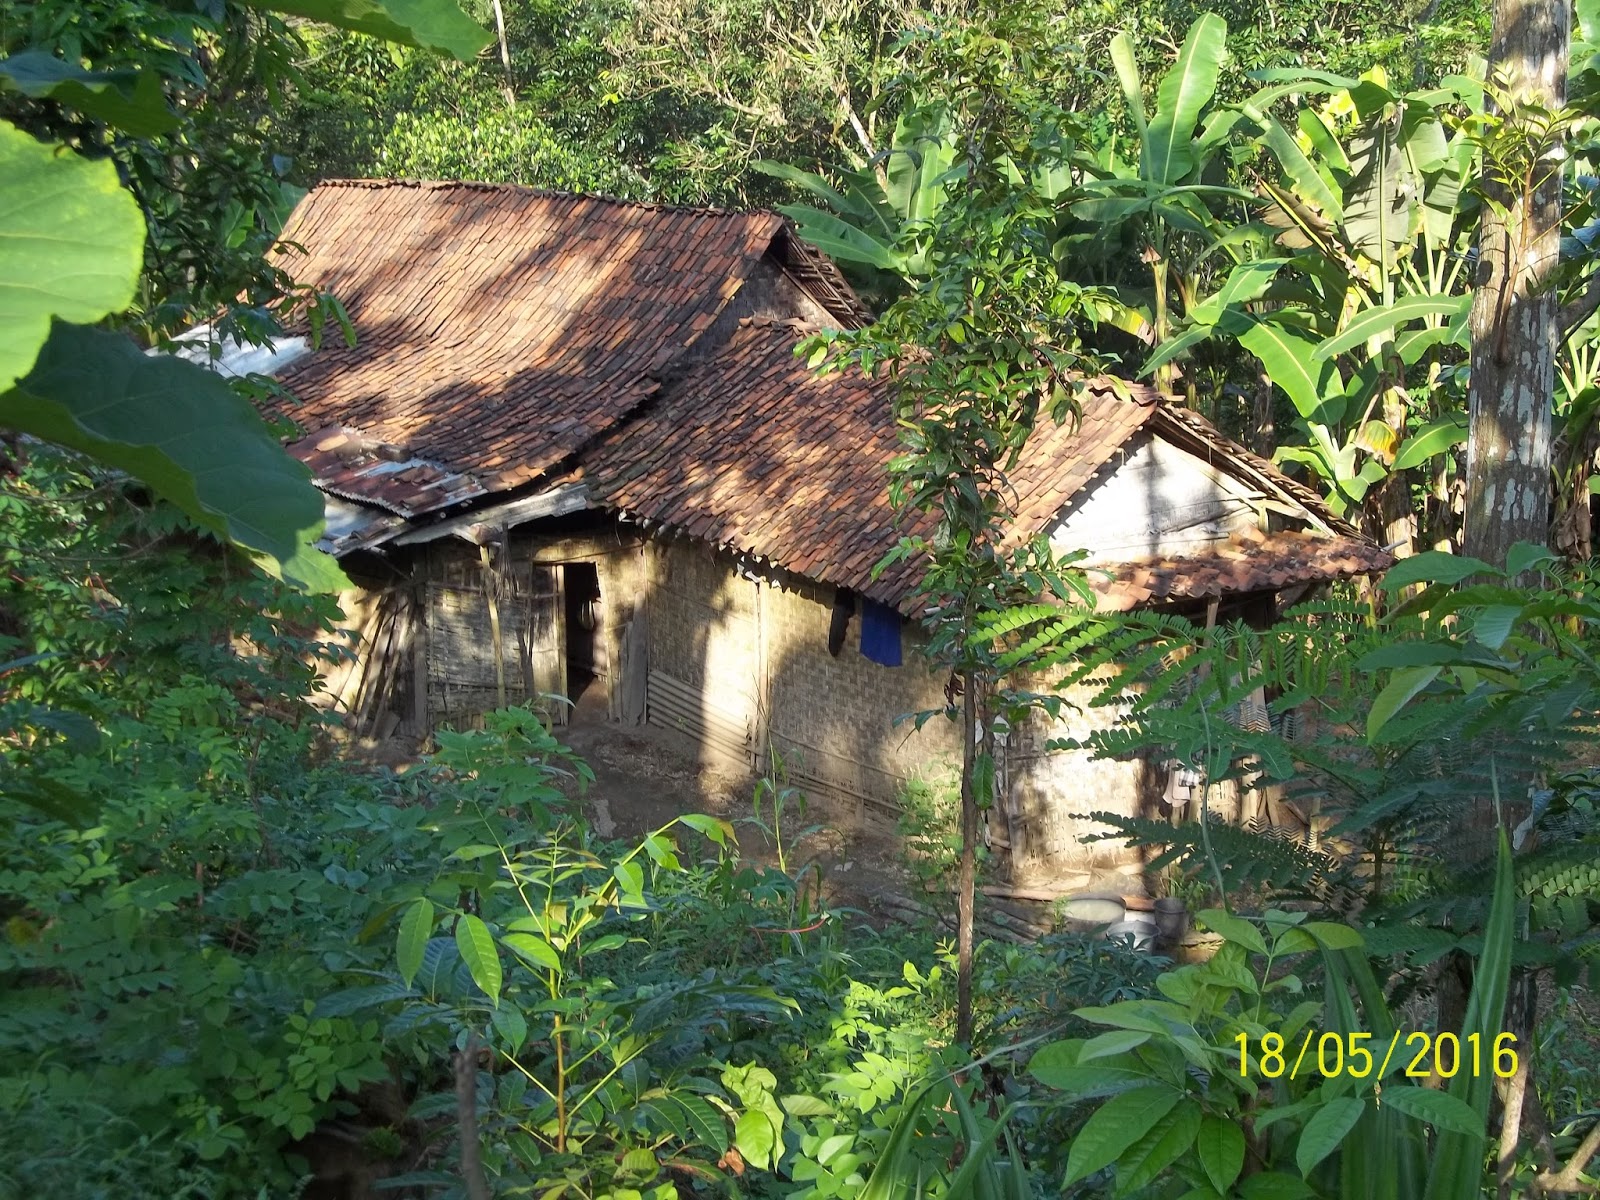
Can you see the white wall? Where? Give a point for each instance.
(1155, 499)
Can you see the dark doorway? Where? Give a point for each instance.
(586, 663)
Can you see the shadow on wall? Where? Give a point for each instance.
(736, 661)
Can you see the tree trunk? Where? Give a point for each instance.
(967, 881)
(505, 53)
(1514, 328)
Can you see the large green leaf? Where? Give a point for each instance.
(1397, 693)
(1377, 209)
(415, 929)
(1115, 1126)
(1056, 1066)
(1376, 322)
(1458, 1158)
(755, 1137)
(1326, 1130)
(918, 161)
(183, 431)
(1299, 169)
(478, 952)
(1323, 142)
(1286, 351)
(1162, 1145)
(1127, 69)
(1220, 1145)
(1433, 439)
(1173, 347)
(1246, 282)
(839, 239)
(1433, 566)
(810, 180)
(1439, 1109)
(430, 24)
(132, 101)
(1167, 154)
(71, 244)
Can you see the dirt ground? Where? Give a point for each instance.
(644, 777)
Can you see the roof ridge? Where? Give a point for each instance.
(550, 193)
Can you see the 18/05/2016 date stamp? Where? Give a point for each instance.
(1357, 1055)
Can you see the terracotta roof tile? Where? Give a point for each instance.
(751, 450)
(501, 327)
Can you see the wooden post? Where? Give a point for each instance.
(491, 593)
(419, 663)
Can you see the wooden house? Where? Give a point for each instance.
(573, 454)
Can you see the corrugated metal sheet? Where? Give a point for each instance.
(347, 463)
(351, 527)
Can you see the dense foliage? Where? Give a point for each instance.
(236, 963)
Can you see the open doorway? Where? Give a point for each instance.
(586, 655)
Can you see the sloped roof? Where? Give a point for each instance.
(503, 328)
(1246, 562)
(752, 451)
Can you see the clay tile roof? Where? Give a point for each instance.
(752, 451)
(501, 328)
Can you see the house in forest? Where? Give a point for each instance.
(573, 453)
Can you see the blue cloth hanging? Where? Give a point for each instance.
(880, 633)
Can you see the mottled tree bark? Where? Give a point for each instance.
(1514, 328)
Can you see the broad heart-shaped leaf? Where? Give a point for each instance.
(1524, 556)
(431, 24)
(1439, 1109)
(1167, 156)
(1161, 1146)
(71, 244)
(1116, 1125)
(478, 952)
(1220, 1145)
(1376, 322)
(132, 101)
(183, 431)
(1430, 441)
(415, 929)
(1326, 1129)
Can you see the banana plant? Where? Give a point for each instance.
(879, 216)
(1165, 192)
(1351, 317)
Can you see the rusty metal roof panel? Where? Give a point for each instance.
(346, 463)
